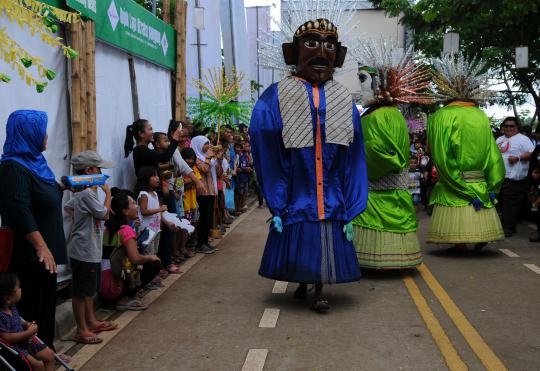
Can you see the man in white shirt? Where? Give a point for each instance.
(516, 151)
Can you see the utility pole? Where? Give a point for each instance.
(258, 65)
(198, 45)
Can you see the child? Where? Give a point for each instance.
(190, 193)
(414, 181)
(85, 249)
(168, 241)
(244, 169)
(238, 147)
(19, 333)
(206, 199)
(150, 210)
(127, 264)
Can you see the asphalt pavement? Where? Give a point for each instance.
(476, 311)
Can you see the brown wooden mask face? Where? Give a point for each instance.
(315, 55)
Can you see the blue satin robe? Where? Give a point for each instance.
(309, 250)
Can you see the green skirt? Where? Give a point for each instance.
(462, 224)
(386, 250)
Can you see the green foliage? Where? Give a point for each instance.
(209, 112)
(159, 7)
(487, 29)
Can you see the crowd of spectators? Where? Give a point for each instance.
(190, 186)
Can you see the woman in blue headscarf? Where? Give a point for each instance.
(31, 206)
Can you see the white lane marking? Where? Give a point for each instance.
(280, 287)
(535, 268)
(269, 318)
(255, 360)
(509, 253)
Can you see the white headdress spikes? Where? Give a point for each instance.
(456, 77)
(339, 12)
(399, 78)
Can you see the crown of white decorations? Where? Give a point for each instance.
(456, 77)
(398, 77)
(340, 13)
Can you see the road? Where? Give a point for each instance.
(473, 311)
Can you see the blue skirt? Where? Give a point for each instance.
(310, 252)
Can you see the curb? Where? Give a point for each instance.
(81, 354)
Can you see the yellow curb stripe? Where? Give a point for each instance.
(451, 356)
(486, 355)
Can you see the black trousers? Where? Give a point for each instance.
(165, 248)
(166, 240)
(38, 301)
(259, 194)
(206, 218)
(513, 195)
(149, 272)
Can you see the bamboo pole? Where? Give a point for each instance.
(180, 75)
(83, 54)
(90, 35)
(134, 92)
(166, 11)
(76, 34)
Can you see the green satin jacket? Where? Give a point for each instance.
(386, 141)
(464, 151)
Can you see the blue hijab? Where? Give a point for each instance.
(25, 132)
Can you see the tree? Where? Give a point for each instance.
(487, 29)
(40, 19)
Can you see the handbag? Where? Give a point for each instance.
(110, 289)
(6, 248)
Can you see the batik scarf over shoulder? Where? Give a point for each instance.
(295, 108)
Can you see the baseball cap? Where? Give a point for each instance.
(87, 159)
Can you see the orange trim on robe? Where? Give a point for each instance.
(318, 156)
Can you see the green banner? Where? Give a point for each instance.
(56, 3)
(129, 26)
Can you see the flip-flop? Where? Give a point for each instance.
(173, 269)
(320, 305)
(63, 357)
(90, 340)
(104, 326)
(134, 304)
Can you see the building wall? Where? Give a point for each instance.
(235, 41)
(370, 23)
(210, 40)
(258, 20)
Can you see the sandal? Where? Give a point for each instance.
(133, 304)
(104, 326)
(320, 305)
(173, 269)
(163, 273)
(62, 357)
(78, 338)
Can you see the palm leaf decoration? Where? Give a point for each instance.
(219, 105)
